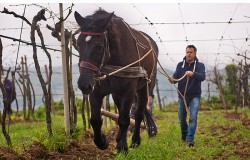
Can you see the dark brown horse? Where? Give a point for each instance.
(109, 46)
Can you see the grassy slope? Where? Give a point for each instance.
(166, 145)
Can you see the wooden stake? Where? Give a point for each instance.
(24, 90)
(158, 94)
(64, 70)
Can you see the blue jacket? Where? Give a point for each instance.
(194, 82)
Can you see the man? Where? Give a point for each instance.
(190, 88)
(150, 104)
(11, 94)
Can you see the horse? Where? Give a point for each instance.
(118, 60)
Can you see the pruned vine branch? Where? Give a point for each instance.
(6, 11)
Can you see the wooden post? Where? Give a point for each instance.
(28, 88)
(158, 94)
(108, 106)
(239, 86)
(51, 96)
(220, 87)
(84, 99)
(64, 71)
(1, 52)
(24, 90)
(245, 83)
(163, 101)
(72, 92)
(88, 111)
(105, 108)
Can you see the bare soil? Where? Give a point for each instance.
(241, 145)
(75, 150)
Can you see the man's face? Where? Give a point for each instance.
(190, 54)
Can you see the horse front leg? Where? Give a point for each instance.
(142, 102)
(96, 122)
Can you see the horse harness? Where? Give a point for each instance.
(120, 71)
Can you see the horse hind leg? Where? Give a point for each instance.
(142, 101)
(124, 103)
(122, 145)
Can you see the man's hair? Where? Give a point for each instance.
(192, 46)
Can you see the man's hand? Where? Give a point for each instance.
(190, 73)
(171, 80)
(148, 107)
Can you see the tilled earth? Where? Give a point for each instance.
(241, 145)
(75, 150)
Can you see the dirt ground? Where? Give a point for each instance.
(75, 150)
(241, 145)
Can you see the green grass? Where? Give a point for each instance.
(168, 145)
(23, 134)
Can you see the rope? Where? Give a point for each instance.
(154, 55)
(177, 80)
(105, 76)
(185, 102)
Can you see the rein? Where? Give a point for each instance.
(176, 80)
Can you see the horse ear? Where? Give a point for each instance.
(79, 19)
(105, 24)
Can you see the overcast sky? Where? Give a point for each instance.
(175, 24)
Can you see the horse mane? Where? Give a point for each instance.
(101, 13)
(94, 22)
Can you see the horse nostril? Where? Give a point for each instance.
(89, 87)
(86, 89)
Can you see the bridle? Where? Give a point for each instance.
(88, 65)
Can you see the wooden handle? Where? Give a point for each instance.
(114, 117)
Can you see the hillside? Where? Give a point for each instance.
(167, 91)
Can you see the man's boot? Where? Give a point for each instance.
(183, 136)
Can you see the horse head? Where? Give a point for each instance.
(93, 47)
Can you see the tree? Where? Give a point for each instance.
(231, 83)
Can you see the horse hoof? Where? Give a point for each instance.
(133, 145)
(103, 144)
(122, 150)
